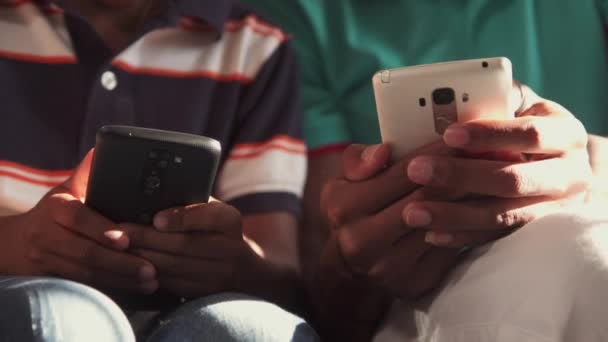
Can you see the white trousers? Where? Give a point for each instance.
(546, 282)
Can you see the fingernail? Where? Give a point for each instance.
(456, 137)
(149, 287)
(369, 152)
(420, 170)
(438, 239)
(417, 217)
(118, 238)
(161, 221)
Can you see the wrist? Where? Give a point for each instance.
(345, 306)
(11, 245)
(358, 295)
(260, 278)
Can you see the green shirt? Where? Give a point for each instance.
(558, 47)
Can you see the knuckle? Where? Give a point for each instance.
(328, 192)
(352, 250)
(55, 204)
(443, 173)
(515, 183)
(533, 134)
(34, 255)
(73, 213)
(87, 254)
(331, 204)
(543, 107)
(580, 134)
(509, 219)
(337, 215)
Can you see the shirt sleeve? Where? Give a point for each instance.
(265, 167)
(603, 7)
(325, 123)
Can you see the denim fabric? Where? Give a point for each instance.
(53, 310)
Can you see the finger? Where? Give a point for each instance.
(485, 214)
(462, 239)
(72, 214)
(555, 132)
(430, 270)
(394, 267)
(77, 183)
(364, 241)
(509, 215)
(503, 179)
(63, 243)
(197, 245)
(344, 201)
(361, 162)
(191, 269)
(69, 269)
(471, 223)
(209, 217)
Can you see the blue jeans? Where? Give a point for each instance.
(50, 310)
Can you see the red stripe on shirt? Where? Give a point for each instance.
(38, 59)
(273, 140)
(267, 148)
(233, 77)
(327, 149)
(258, 26)
(38, 172)
(18, 177)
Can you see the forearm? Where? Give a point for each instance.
(345, 308)
(10, 246)
(598, 157)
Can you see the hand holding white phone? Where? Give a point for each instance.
(416, 104)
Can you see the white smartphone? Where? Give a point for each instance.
(416, 104)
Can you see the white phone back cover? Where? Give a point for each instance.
(406, 125)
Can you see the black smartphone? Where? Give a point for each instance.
(137, 172)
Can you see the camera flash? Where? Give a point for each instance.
(178, 160)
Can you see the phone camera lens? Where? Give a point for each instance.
(443, 96)
(162, 164)
(152, 183)
(485, 64)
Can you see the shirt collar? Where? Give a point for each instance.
(212, 12)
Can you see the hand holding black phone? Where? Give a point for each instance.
(137, 172)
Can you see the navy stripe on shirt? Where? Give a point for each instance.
(226, 75)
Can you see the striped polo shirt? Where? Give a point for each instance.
(205, 67)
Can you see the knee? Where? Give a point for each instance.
(48, 309)
(550, 273)
(551, 256)
(232, 317)
(561, 241)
